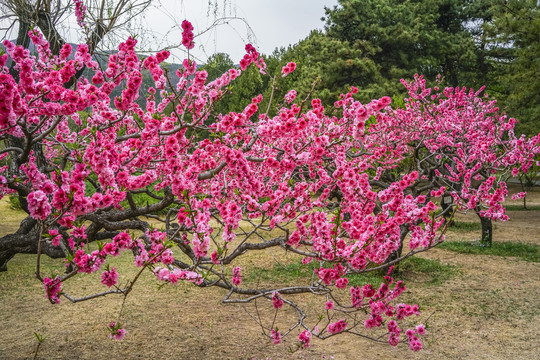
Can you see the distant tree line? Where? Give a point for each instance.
(373, 44)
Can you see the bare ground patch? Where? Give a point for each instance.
(488, 311)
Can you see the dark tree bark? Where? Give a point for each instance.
(403, 231)
(487, 229)
(105, 225)
(24, 241)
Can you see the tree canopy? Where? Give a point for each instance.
(373, 44)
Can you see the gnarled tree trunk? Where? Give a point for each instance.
(487, 229)
(25, 241)
(403, 231)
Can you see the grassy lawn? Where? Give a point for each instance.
(523, 251)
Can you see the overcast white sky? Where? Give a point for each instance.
(268, 24)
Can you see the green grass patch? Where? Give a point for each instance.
(435, 272)
(515, 207)
(374, 278)
(526, 252)
(463, 226)
(292, 272)
(431, 271)
(14, 203)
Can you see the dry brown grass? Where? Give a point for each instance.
(488, 311)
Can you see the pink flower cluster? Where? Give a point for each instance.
(414, 342)
(152, 63)
(329, 305)
(187, 35)
(289, 68)
(109, 277)
(393, 333)
(38, 205)
(117, 332)
(177, 274)
(53, 288)
(404, 310)
(277, 301)
(331, 274)
(304, 337)
(290, 96)
(519, 195)
(252, 56)
(54, 236)
(43, 49)
(276, 336)
(237, 278)
(92, 262)
(80, 10)
(337, 327)
(231, 213)
(201, 244)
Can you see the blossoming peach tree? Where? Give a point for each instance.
(256, 182)
(462, 147)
